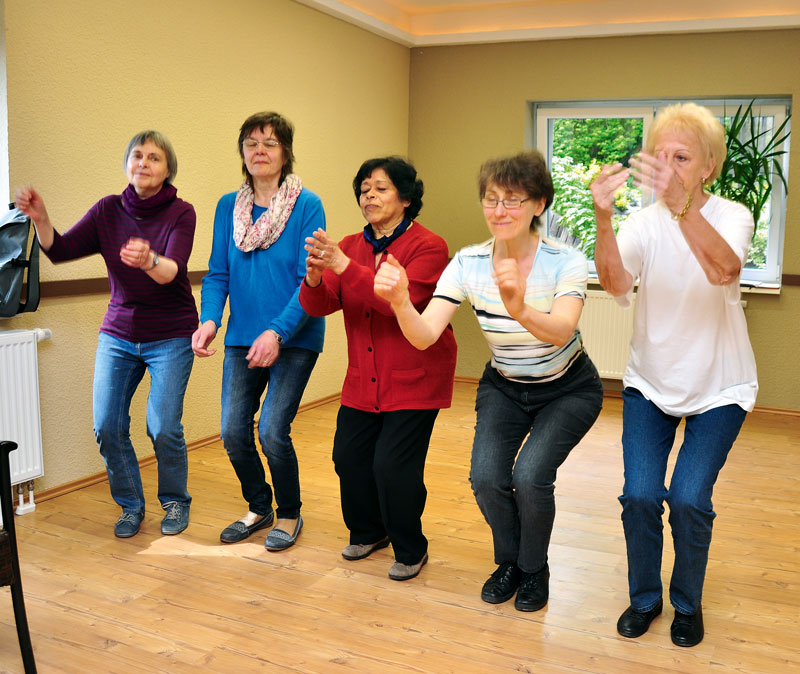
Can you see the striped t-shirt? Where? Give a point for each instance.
(516, 354)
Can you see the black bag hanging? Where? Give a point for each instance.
(15, 228)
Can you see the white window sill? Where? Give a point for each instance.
(754, 287)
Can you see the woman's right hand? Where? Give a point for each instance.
(31, 204)
(202, 337)
(323, 253)
(605, 187)
(391, 282)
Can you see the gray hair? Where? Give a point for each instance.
(159, 140)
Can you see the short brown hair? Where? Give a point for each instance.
(284, 132)
(526, 171)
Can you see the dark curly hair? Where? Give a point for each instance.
(284, 132)
(402, 174)
(526, 171)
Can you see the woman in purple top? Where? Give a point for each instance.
(145, 236)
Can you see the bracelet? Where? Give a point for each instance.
(682, 214)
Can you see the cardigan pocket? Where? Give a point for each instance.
(409, 386)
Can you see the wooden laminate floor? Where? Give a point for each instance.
(189, 604)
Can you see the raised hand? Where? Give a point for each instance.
(136, 253)
(655, 174)
(31, 204)
(512, 285)
(605, 186)
(323, 253)
(391, 282)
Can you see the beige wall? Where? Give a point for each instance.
(470, 103)
(85, 75)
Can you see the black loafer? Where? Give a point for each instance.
(634, 624)
(534, 590)
(687, 630)
(238, 531)
(502, 584)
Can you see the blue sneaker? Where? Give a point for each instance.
(176, 518)
(128, 524)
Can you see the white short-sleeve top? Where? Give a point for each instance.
(690, 351)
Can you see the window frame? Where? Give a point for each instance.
(543, 114)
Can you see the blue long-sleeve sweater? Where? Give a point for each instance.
(263, 285)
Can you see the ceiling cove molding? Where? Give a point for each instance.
(362, 20)
(384, 29)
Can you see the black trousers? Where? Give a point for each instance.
(380, 460)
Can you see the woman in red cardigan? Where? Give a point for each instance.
(392, 392)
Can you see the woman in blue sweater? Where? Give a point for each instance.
(257, 263)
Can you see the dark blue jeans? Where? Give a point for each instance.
(513, 478)
(242, 389)
(118, 369)
(647, 438)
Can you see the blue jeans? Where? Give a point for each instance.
(647, 438)
(242, 389)
(513, 478)
(118, 369)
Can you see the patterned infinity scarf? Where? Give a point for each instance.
(249, 235)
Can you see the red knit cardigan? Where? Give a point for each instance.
(385, 372)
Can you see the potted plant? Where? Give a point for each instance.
(753, 162)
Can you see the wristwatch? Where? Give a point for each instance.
(155, 261)
(278, 337)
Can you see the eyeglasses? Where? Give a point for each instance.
(252, 143)
(509, 204)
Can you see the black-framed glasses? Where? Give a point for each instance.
(252, 143)
(509, 204)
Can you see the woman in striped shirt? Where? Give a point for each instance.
(540, 393)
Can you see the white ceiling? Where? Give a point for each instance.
(446, 22)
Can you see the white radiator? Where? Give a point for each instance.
(606, 330)
(19, 407)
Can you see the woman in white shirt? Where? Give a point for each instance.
(690, 355)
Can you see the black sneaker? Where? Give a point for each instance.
(502, 584)
(534, 590)
(128, 524)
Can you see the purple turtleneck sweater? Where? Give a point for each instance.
(140, 309)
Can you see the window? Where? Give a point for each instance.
(578, 138)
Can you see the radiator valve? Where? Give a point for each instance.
(24, 506)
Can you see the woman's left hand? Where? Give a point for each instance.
(512, 285)
(136, 253)
(324, 253)
(653, 173)
(264, 351)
